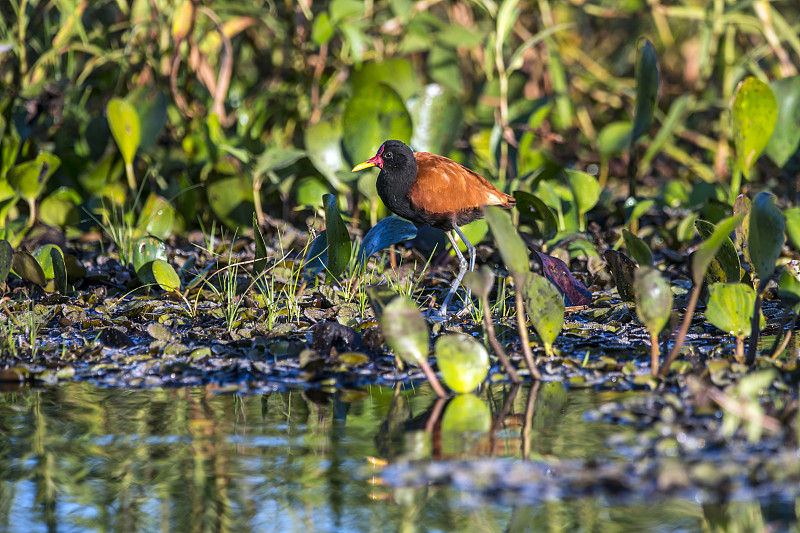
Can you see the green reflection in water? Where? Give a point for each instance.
(78, 457)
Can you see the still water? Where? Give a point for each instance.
(82, 458)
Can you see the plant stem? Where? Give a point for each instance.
(528, 423)
(523, 335)
(755, 330)
(655, 353)
(131, 177)
(687, 320)
(32, 212)
(431, 375)
(739, 354)
(498, 350)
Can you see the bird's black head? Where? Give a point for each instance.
(392, 156)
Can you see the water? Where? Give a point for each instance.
(82, 458)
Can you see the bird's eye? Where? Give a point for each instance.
(388, 155)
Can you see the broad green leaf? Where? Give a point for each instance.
(385, 233)
(545, 308)
(146, 250)
(323, 143)
(614, 138)
(6, 258)
(60, 209)
(786, 136)
(623, 270)
(159, 218)
(26, 267)
(647, 81)
(165, 276)
(789, 285)
(123, 120)
(793, 226)
(151, 107)
(29, 179)
(44, 257)
(637, 249)
(339, 247)
(754, 112)
(511, 246)
(59, 269)
(374, 114)
(323, 30)
(727, 256)
(436, 115)
(405, 330)
(480, 281)
(308, 191)
(260, 262)
(531, 206)
(463, 362)
(653, 299)
(708, 249)
(634, 209)
(231, 199)
(396, 73)
(766, 234)
(585, 189)
(730, 307)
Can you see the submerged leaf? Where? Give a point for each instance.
(463, 362)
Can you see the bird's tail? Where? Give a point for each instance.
(508, 202)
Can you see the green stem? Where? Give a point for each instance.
(32, 212)
(131, 177)
(687, 320)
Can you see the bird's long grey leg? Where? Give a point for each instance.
(472, 254)
(462, 264)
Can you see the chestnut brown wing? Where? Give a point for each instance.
(444, 186)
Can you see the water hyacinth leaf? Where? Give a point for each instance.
(151, 107)
(59, 269)
(466, 413)
(545, 308)
(557, 272)
(708, 249)
(260, 262)
(786, 137)
(793, 226)
(307, 191)
(339, 247)
(480, 281)
(317, 255)
(533, 207)
(789, 285)
(727, 256)
(634, 209)
(585, 189)
(123, 120)
(373, 114)
(6, 258)
(145, 250)
(614, 138)
(647, 81)
(385, 233)
(323, 143)
(405, 330)
(653, 299)
(730, 307)
(639, 251)
(26, 267)
(766, 236)
(165, 276)
(159, 218)
(436, 115)
(623, 270)
(397, 73)
(231, 199)
(512, 248)
(463, 362)
(59, 209)
(754, 112)
(45, 260)
(29, 179)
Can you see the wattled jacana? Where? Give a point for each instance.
(434, 190)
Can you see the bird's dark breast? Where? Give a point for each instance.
(395, 197)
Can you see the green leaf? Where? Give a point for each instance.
(463, 362)
(323, 30)
(26, 267)
(512, 248)
(708, 249)
(43, 256)
(506, 17)
(754, 112)
(727, 256)
(741, 206)
(405, 330)
(793, 226)
(436, 115)
(59, 269)
(374, 114)
(766, 236)
(307, 191)
(123, 120)
(465, 415)
(730, 307)
(585, 189)
(6, 258)
(623, 270)
(637, 249)
(480, 281)
(533, 207)
(159, 218)
(789, 286)
(151, 107)
(786, 136)
(146, 250)
(653, 299)
(397, 73)
(29, 179)
(231, 199)
(545, 308)
(260, 262)
(339, 247)
(614, 138)
(634, 209)
(59, 209)
(647, 81)
(323, 143)
(165, 276)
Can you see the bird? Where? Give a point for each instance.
(431, 189)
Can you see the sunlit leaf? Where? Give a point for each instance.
(165, 276)
(436, 115)
(159, 218)
(512, 248)
(614, 138)
(727, 256)
(405, 330)
(545, 308)
(637, 248)
(29, 179)
(123, 120)
(374, 114)
(323, 143)
(653, 299)
(730, 307)
(463, 362)
(585, 190)
(146, 250)
(708, 249)
(754, 112)
(26, 267)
